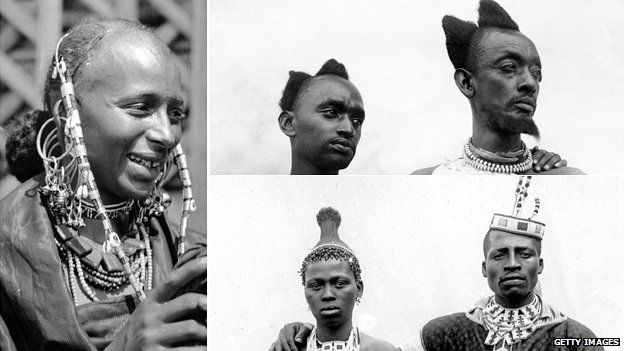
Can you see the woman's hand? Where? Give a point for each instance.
(164, 320)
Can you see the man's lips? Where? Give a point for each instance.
(343, 145)
(513, 277)
(525, 104)
(330, 308)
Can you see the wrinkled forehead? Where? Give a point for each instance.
(502, 240)
(331, 87)
(131, 58)
(496, 44)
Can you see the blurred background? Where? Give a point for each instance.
(30, 30)
(419, 241)
(395, 54)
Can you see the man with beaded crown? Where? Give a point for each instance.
(87, 258)
(499, 70)
(516, 317)
(331, 277)
(322, 115)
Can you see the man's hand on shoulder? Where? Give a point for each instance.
(544, 160)
(292, 337)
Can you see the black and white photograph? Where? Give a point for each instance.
(103, 209)
(408, 112)
(240, 175)
(420, 244)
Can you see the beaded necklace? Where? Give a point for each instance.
(352, 343)
(113, 211)
(90, 266)
(522, 164)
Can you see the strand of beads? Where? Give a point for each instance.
(187, 194)
(487, 166)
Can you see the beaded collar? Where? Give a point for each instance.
(352, 343)
(514, 162)
(508, 326)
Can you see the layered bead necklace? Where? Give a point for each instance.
(88, 266)
(517, 162)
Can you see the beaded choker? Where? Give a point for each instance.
(113, 211)
(476, 158)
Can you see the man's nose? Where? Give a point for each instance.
(512, 264)
(345, 127)
(161, 132)
(528, 82)
(328, 294)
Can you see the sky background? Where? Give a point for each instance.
(395, 54)
(419, 240)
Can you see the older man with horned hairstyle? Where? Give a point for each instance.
(515, 318)
(322, 115)
(499, 70)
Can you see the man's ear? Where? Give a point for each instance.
(285, 120)
(483, 270)
(464, 81)
(360, 287)
(541, 266)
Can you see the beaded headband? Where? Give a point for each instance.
(514, 224)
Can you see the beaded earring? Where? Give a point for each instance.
(72, 166)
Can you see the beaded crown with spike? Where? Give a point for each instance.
(514, 223)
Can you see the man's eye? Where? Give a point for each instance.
(314, 286)
(537, 74)
(139, 109)
(508, 67)
(499, 257)
(525, 255)
(331, 112)
(177, 114)
(340, 283)
(357, 122)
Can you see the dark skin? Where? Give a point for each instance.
(503, 91)
(512, 265)
(324, 127)
(130, 103)
(331, 290)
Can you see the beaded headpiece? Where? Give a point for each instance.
(330, 245)
(515, 224)
(70, 192)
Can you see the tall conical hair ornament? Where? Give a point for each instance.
(514, 223)
(328, 220)
(61, 172)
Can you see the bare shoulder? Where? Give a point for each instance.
(425, 171)
(559, 171)
(370, 343)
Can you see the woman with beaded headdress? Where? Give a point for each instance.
(87, 259)
(332, 281)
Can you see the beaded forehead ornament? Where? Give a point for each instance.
(516, 225)
(330, 246)
(70, 185)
